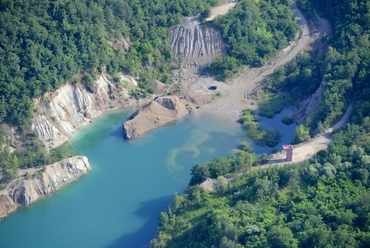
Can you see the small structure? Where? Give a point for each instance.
(213, 87)
(289, 152)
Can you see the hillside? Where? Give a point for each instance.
(47, 44)
(323, 202)
(66, 42)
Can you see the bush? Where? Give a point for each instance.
(87, 80)
(302, 134)
(271, 105)
(38, 175)
(246, 146)
(3, 186)
(287, 120)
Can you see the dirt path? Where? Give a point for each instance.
(221, 10)
(235, 94)
(235, 97)
(302, 151)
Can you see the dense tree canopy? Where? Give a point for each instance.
(46, 43)
(319, 203)
(322, 203)
(253, 31)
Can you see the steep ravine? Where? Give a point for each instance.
(23, 190)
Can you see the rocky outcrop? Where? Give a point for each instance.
(195, 46)
(158, 112)
(22, 191)
(60, 113)
(309, 106)
(7, 206)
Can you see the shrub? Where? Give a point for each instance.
(287, 120)
(302, 134)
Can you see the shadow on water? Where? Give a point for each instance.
(118, 133)
(141, 238)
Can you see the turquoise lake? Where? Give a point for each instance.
(117, 204)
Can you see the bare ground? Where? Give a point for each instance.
(221, 10)
(234, 95)
(308, 149)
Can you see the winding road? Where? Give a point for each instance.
(235, 94)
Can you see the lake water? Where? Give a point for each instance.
(118, 202)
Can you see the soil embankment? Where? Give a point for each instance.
(60, 113)
(160, 111)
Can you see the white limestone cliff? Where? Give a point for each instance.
(23, 191)
(66, 109)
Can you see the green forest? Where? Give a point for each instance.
(319, 203)
(322, 203)
(254, 31)
(45, 44)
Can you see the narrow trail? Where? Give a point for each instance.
(235, 94)
(302, 151)
(307, 150)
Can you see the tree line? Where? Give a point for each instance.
(47, 43)
(254, 31)
(319, 203)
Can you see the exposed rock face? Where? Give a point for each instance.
(22, 191)
(7, 206)
(195, 46)
(69, 107)
(157, 113)
(309, 106)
